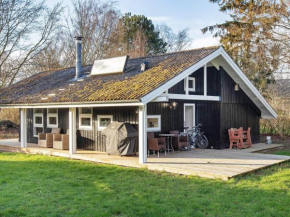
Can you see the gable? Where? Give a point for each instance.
(221, 58)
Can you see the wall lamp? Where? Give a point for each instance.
(173, 105)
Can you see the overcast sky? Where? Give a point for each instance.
(178, 14)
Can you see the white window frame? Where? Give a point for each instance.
(52, 115)
(193, 84)
(35, 125)
(104, 116)
(154, 129)
(85, 116)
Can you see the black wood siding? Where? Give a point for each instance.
(92, 139)
(207, 113)
(237, 110)
(62, 123)
(213, 83)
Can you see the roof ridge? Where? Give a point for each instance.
(176, 52)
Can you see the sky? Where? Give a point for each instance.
(178, 14)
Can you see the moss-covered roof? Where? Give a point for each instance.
(131, 85)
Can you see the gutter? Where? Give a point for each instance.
(76, 104)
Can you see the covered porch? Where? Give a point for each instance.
(209, 163)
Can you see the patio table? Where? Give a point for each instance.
(168, 137)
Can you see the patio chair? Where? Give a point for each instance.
(61, 141)
(247, 137)
(234, 137)
(45, 140)
(156, 144)
(179, 141)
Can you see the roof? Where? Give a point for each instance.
(129, 86)
(58, 88)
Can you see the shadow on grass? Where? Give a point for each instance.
(34, 185)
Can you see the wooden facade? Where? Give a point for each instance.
(235, 109)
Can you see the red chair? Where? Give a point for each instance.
(155, 144)
(247, 137)
(235, 137)
(179, 141)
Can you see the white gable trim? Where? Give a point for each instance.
(158, 91)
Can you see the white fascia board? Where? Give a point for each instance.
(158, 91)
(72, 105)
(160, 99)
(192, 97)
(249, 84)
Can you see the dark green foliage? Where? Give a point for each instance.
(249, 36)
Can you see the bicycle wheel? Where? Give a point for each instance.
(204, 137)
(191, 138)
(201, 143)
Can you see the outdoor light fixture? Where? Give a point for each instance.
(237, 87)
(173, 105)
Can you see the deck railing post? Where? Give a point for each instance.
(23, 127)
(72, 131)
(142, 134)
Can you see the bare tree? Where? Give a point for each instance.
(26, 27)
(94, 21)
(175, 42)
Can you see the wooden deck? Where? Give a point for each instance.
(222, 164)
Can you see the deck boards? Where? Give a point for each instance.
(222, 164)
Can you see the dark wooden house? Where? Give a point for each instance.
(156, 93)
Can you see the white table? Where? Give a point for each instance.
(168, 137)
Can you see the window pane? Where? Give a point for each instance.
(52, 120)
(104, 122)
(190, 83)
(152, 122)
(86, 122)
(86, 110)
(38, 130)
(38, 120)
(52, 110)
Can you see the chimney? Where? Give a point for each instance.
(78, 57)
(144, 66)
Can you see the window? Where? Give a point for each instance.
(37, 121)
(191, 84)
(104, 121)
(153, 123)
(52, 118)
(85, 118)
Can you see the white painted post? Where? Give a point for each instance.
(23, 120)
(205, 79)
(142, 134)
(186, 85)
(72, 131)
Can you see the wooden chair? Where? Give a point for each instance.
(61, 141)
(247, 137)
(235, 137)
(45, 140)
(156, 144)
(179, 141)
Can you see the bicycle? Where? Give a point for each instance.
(196, 138)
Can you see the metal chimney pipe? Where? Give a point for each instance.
(78, 57)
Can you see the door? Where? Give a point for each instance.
(189, 116)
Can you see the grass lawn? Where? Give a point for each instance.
(34, 185)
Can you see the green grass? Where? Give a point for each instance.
(34, 185)
(283, 152)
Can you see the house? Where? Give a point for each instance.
(155, 93)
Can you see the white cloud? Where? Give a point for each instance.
(204, 42)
